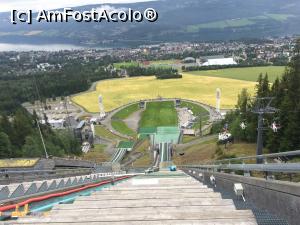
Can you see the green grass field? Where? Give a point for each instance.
(187, 139)
(247, 74)
(221, 24)
(155, 63)
(165, 62)
(121, 127)
(119, 92)
(239, 22)
(125, 64)
(159, 114)
(105, 133)
(205, 152)
(126, 112)
(117, 120)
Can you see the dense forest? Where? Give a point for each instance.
(72, 78)
(19, 135)
(286, 95)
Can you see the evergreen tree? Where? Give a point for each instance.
(5, 146)
(23, 126)
(243, 101)
(33, 147)
(263, 86)
(6, 127)
(286, 93)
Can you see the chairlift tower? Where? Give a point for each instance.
(262, 107)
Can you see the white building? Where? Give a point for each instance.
(55, 123)
(220, 62)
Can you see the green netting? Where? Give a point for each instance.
(167, 135)
(161, 134)
(126, 144)
(143, 136)
(147, 130)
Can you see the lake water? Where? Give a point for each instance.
(29, 47)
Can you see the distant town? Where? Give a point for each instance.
(273, 51)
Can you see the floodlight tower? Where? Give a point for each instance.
(218, 98)
(101, 107)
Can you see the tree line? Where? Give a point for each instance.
(286, 94)
(19, 137)
(72, 78)
(159, 72)
(218, 67)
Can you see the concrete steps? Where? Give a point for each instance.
(148, 200)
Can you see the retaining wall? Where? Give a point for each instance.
(278, 197)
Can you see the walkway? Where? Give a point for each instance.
(162, 198)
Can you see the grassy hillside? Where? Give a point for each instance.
(117, 120)
(126, 112)
(105, 133)
(97, 154)
(238, 22)
(246, 74)
(199, 88)
(159, 114)
(206, 152)
(121, 127)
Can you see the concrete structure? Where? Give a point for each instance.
(101, 107)
(189, 60)
(168, 198)
(218, 100)
(278, 197)
(220, 62)
(122, 148)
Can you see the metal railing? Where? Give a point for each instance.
(7, 177)
(36, 172)
(239, 164)
(264, 157)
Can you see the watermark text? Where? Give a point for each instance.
(94, 15)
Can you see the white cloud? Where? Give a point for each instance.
(8, 5)
(108, 8)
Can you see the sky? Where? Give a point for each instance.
(8, 5)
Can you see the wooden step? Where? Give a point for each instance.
(148, 200)
(249, 221)
(92, 217)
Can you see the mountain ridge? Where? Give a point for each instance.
(190, 20)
